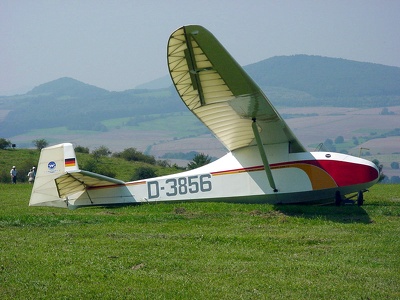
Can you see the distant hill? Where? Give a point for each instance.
(327, 81)
(68, 87)
(294, 81)
(79, 106)
(303, 80)
(159, 83)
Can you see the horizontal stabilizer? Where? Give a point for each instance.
(59, 179)
(80, 180)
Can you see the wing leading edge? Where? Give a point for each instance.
(221, 94)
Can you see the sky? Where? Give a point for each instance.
(118, 45)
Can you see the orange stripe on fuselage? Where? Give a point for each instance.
(236, 171)
(319, 178)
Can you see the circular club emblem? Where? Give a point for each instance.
(51, 165)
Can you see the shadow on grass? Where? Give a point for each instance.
(340, 214)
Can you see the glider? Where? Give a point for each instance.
(266, 163)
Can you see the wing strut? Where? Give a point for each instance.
(193, 70)
(263, 156)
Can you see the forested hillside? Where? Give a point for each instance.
(79, 106)
(293, 81)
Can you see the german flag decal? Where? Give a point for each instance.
(70, 162)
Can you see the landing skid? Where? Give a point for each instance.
(340, 200)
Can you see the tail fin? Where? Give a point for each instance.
(54, 161)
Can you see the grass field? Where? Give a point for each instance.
(200, 250)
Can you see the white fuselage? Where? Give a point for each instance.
(240, 176)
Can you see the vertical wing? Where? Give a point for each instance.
(221, 94)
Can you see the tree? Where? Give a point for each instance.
(379, 166)
(377, 163)
(4, 144)
(395, 179)
(385, 112)
(81, 149)
(199, 160)
(101, 151)
(40, 143)
(339, 140)
(328, 144)
(394, 165)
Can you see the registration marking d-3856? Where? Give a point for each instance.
(172, 187)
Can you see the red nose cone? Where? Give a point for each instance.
(349, 173)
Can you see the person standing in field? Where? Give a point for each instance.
(31, 176)
(13, 174)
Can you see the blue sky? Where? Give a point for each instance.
(117, 45)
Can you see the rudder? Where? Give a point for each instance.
(54, 161)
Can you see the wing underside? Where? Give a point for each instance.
(221, 94)
(73, 182)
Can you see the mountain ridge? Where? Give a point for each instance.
(288, 81)
(66, 86)
(320, 76)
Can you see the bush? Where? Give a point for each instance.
(101, 151)
(5, 176)
(4, 144)
(163, 163)
(93, 165)
(143, 173)
(81, 149)
(131, 154)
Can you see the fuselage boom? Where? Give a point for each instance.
(240, 177)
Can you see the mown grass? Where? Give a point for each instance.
(200, 250)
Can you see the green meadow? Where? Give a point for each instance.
(200, 250)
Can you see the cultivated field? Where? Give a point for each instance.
(184, 133)
(200, 250)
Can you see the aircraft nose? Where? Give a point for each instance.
(372, 171)
(378, 170)
(368, 172)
